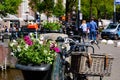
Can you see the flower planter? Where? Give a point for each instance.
(42, 72)
(51, 31)
(31, 51)
(51, 26)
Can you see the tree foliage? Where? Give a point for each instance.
(69, 5)
(59, 9)
(89, 8)
(96, 8)
(42, 5)
(100, 8)
(9, 6)
(34, 4)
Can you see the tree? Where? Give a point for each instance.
(59, 9)
(70, 4)
(96, 8)
(42, 5)
(34, 4)
(9, 6)
(104, 8)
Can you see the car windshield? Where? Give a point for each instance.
(111, 26)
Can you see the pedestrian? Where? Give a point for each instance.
(88, 30)
(84, 28)
(6, 29)
(93, 29)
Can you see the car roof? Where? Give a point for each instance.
(114, 24)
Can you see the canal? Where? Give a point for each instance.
(11, 74)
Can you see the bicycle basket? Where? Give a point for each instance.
(100, 64)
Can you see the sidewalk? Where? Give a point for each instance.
(114, 52)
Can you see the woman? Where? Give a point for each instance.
(84, 28)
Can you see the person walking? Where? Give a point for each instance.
(93, 29)
(84, 28)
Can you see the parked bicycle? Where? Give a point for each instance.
(82, 63)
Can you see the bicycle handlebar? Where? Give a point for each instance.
(85, 44)
(69, 40)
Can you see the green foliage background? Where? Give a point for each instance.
(9, 6)
(100, 8)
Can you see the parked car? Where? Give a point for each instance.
(112, 31)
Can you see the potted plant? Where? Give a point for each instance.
(34, 54)
(51, 26)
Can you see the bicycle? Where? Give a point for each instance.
(77, 47)
(77, 51)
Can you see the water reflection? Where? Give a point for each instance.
(11, 74)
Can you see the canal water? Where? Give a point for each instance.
(11, 74)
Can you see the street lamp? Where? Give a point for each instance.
(79, 8)
(114, 16)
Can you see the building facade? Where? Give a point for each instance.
(25, 13)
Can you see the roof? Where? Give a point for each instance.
(27, 17)
(11, 17)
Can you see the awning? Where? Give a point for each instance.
(11, 17)
(27, 17)
(32, 26)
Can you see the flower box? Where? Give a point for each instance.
(35, 56)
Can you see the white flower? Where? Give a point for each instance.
(41, 42)
(31, 34)
(41, 38)
(11, 44)
(14, 41)
(18, 48)
(12, 54)
(49, 58)
(26, 47)
(45, 51)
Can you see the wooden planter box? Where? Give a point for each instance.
(100, 64)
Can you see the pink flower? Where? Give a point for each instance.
(56, 49)
(28, 40)
(30, 43)
(52, 45)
